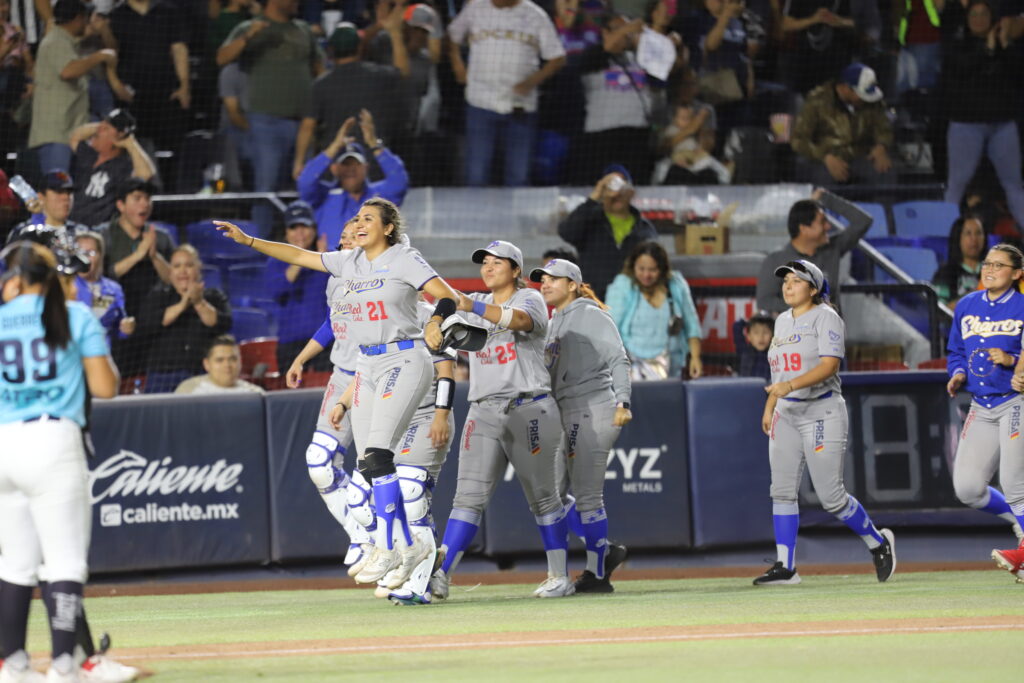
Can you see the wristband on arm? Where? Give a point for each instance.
(445, 307)
(445, 393)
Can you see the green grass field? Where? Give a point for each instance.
(292, 619)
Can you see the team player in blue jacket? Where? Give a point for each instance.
(984, 346)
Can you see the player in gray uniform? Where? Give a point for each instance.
(590, 380)
(512, 418)
(421, 454)
(806, 422)
(380, 284)
(325, 455)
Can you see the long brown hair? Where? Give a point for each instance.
(656, 252)
(587, 292)
(389, 213)
(36, 265)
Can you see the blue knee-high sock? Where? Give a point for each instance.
(786, 520)
(387, 494)
(572, 517)
(554, 530)
(856, 517)
(595, 534)
(458, 534)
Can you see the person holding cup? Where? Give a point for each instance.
(606, 227)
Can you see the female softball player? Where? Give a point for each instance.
(51, 353)
(512, 418)
(380, 281)
(806, 422)
(984, 345)
(422, 452)
(325, 455)
(590, 380)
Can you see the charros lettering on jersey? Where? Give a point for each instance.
(972, 325)
(356, 286)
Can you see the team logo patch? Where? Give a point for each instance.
(967, 423)
(551, 353)
(819, 436)
(834, 336)
(1015, 423)
(467, 432)
(389, 384)
(410, 435)
(533, 434)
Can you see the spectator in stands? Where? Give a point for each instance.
(684, 141)
(752, 338)
(507, 39)
(280, 55)
(224, 16)
(809, 239)
(137, 253)
(652, 307)
(961, 273)
(180, 320)
(920, 39)
(721, 52)
(152, 39)
(621, 102)
(420, 133)
(10, 207)
(103, 295)
(298, 292)
(56, 200)
(354, 85)
(223, 366)
(824, 38)
(606, 227)
(16, 66)
(982, 85)
(233, 90)
(843, 134)
(338, 197)
(60, 100)
(106, 155)
(564, 254)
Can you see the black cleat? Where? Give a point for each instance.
(778, 576)
(587, 582)
(615, 556)
(884, 556)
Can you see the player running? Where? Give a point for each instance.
(52, 353)
(590, 380)
(380, 280)
(984, 344)
(512, 418)
(806, 422)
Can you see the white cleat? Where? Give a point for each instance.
(9, 674)
(352, 555)
(382, 590)
(103, 669)
(555, 587)
(380, 562)
(439, 584)
(411, 556)
(365, 550)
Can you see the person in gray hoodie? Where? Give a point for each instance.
(590, 380)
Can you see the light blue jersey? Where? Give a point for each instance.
(36, 380)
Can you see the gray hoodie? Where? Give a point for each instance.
(584, 352)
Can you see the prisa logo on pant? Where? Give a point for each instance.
(571, 437)
(1015, 422)
(819, 436)
(389, 384)
(134, 475)
(533, 433)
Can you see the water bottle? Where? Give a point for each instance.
(23, 189)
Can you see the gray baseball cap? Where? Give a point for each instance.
(805, 270)
(501, 250)
(557, 267)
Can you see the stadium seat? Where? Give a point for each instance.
(919, 219)
(918, 263)
(215, 248)
(880, 219)
(170, 228)
(933, 364)
(212, 278)
(252, 323)
(246, 284)
(257, 352)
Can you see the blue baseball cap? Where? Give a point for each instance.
(862, 79)
(299, 213)
(620, 169)
(58, 180)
